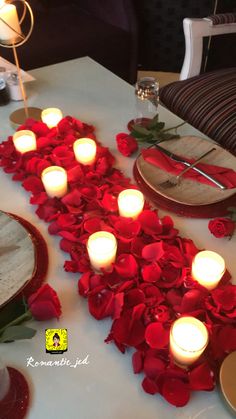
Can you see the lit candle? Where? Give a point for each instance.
(102, 248)
(8, 13)
(54, 179)
(130, 203)
(51, 116)
(85, 150)
(188, 340)
(207, 269)
(24, 141)
(4, 380)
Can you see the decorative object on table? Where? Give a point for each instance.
(195, 196)
(24, 141)
(51, 116)
(85, 150)
(152, 131)
(223, 227)
(54, 179)
(228, 380)
(4, 94)
(208, 268)
(14, 393)
(149, 285)
(42, 305)
(130, 203)
(102, 248)
(188, 340)
(174, 180)
(16, 244)
(13, 85)
(11, 36)
(147, 98)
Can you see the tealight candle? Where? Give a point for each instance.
(54, 179)
(24, 140)
(51, 116)
(85, 150)
(8, 13)
(102, 248)
(188, 340)
(130, 203)
(207, 268)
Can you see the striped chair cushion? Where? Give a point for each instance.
(222, 18)
(208, 102)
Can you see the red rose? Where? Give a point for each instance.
(126, 144)
(221, 227)
(44, 304)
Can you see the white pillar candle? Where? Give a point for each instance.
(207, 268)
(8, 13)
(51, 116)
(54, 179)
(4, 380)
(188, 340)
(85, 150)
(130, 203)
(102, 247)
(24, 141)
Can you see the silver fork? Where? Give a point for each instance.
(175, 180)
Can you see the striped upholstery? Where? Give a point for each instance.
(222, 19)
(208, 102)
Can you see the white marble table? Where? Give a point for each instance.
(107, 387)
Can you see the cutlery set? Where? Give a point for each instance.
(175, 180)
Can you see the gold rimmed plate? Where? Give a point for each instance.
(17, 258)
(189, 192)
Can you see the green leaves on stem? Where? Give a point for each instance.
(154, 131)
(15, 331)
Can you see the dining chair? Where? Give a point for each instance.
(205, 100)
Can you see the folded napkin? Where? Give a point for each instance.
(222, 174)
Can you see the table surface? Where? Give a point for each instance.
(105, 388)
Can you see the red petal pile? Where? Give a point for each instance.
(150, 284)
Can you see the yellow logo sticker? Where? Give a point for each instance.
(56, 341)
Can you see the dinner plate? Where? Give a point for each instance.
(189, 192)
(17, 257)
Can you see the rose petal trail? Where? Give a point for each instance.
(150, 284)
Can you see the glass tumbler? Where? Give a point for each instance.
(147, 97)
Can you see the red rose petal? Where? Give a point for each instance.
(176, 392)
(156, 336)
(153, 252)
(201, 378)
(137, 361)
(150, 222)
(150, 386)
(126, 266)
(153, 367)
(151, 273)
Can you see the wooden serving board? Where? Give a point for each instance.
(17, 257)
(189, 192)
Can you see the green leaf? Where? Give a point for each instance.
(159, 126)
(233, 217)
(17, 333)
(140, 130)
(153, 122)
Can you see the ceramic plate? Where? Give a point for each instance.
(17, 257)
(188, 191)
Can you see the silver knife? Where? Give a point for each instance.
(174, 157)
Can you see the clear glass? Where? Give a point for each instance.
(147, 98)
